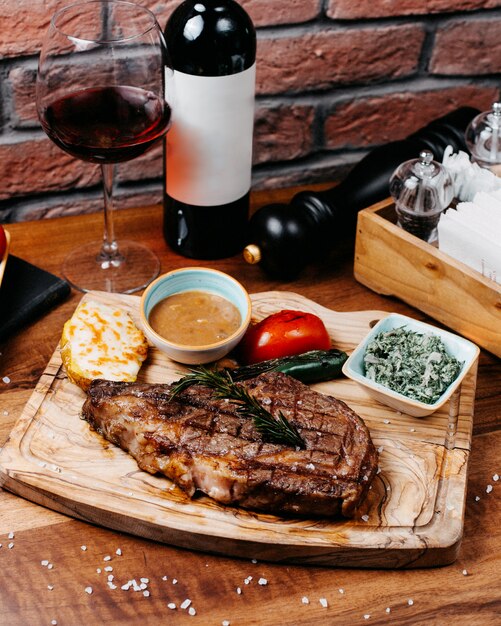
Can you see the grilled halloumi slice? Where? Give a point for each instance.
(101, 341)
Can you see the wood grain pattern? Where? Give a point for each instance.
(393, 262)
(413, 515)
(440, 596)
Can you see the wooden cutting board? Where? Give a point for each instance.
(413, 516)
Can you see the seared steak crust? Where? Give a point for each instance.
(201, 443)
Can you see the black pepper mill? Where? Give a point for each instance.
(283, 239)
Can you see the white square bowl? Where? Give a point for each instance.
(462, 349)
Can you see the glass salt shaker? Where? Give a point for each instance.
(483, 138)
(422, 188)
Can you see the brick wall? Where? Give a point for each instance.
(335, 77)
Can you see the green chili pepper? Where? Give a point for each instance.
(310, 367)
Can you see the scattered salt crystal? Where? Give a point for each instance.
(44, 562)
(111, 585)
(305, 600)
(146, 593)
(54, 622)
(253, 560)
(98, 570)
(410, 601)
(164, 577)
(477, 498)
(380, 449)
(488, 489)
(247, 580)
(144, 580)
(10, 545)
(118, 552)
(323, 602)
(365, 518)
(50, 566)
(310, 466)
(171, 605)
(108, 568)
(225, 622)
(367, 616)
(185, 604)
(6, 380)
(10, 535)
(262, 581)
(6, 412)
(126, 586)
(174, 581)
(239, 590)
(341, 590)
(413, 430)
(110, 577)
(88, 590)
(83, 548)
(107, 558)
(50, 587)
(495, 478)
(388, 610)
(142, 586)
(465, 572)
(192, 611)
(386, 422)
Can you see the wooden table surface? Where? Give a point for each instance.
(45, 572)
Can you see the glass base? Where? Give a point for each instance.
(131, 269)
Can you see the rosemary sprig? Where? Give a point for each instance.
(273, 430)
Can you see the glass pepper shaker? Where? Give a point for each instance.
(483, 138)
(422, 188)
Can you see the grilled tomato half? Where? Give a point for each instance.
(283, 334)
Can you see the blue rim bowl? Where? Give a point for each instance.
(199, 279)
(463, 349)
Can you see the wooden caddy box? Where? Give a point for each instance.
(393, 262)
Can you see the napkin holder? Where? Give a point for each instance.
(393, 262)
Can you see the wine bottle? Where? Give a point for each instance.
(208, 151)
(283, 239)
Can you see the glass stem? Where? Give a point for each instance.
(109, 255)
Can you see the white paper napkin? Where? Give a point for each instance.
(471, 233)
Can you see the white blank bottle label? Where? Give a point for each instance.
(209, 145)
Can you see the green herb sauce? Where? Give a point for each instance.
(413, 364)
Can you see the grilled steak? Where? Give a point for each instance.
(202, 443)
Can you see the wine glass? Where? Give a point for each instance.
(101, 97)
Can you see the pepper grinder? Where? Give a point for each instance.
(283, 238)
(422, 189)
(483, 137)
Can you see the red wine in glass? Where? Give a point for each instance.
(107, 124)
(103, 76)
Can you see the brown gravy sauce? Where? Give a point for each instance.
(195, 318)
